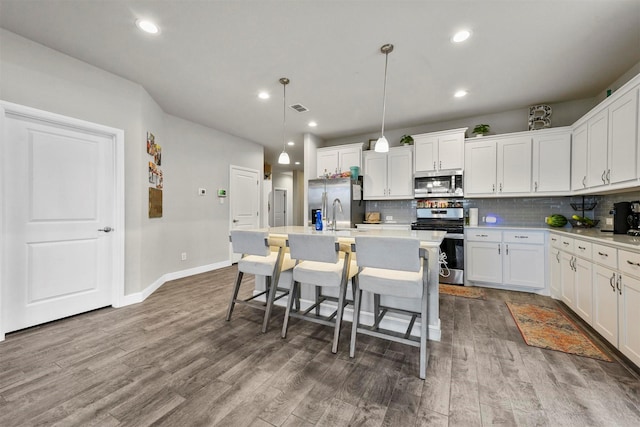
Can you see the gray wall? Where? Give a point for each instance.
(193, 156)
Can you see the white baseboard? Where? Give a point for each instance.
(138, 297)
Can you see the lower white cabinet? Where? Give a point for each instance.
(605, 313)
(510, 259)
(629, 318)
(584, 289)
(554, 273)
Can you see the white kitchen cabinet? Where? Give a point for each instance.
(388, 175)
(514, 165)
(552, 162)
(338, 158)
(605, 298)
(598, 132)
(623, 139)
(629, 317)
(554, 273)
(439, 150)
(584, 289)
(498, 166)
(612, 136)
(524, 259)
(579, 158)
(511, 259)
(567, 279)
(480, 168)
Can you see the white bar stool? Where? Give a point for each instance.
(318, 263)
(260, 260)
(396, 267)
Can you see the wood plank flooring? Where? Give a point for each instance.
(174, 361)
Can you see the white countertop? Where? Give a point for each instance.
(427, 238)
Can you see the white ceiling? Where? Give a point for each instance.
(212, 58)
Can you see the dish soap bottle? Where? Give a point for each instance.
(318, 220)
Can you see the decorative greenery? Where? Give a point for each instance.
(481, 129)
(406, 140)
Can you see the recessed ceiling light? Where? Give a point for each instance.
(313, 124)
(461, 36)
(264, 95)
(147, 26)
(291, 143)
(460, 93)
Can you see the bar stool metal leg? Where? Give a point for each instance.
(236, 289)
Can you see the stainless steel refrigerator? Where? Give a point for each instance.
(329, 194)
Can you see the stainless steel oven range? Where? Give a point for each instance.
(447, 216)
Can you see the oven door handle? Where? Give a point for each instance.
(454, 236)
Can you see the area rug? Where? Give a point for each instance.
(462, 291)
(548, 328)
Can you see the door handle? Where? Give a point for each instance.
(235, 220)
(107, 229)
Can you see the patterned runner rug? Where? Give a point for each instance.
(462, 291)
(548, 328)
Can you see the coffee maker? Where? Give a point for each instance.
(634, 219)
(621, 212)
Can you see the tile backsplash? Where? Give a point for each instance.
(513, 211)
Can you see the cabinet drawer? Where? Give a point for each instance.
(605, 255)
(554, 239)
(629, 262)
(582, 249)
(484, 235)
(523, 237)
(566, 244)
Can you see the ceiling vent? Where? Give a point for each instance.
(299, 108)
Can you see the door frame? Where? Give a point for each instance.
(117, 135)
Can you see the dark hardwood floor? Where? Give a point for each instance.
(173, 361)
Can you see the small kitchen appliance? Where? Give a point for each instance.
(634, 219)
(621, 212)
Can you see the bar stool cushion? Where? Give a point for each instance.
(405, 284)
(263, 265)
(323, 273)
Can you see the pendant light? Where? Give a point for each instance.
(284, 157)
(382, 145)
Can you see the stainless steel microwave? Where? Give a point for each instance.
(438, 184)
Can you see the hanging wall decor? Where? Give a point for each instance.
(155, 177)
(539, 117)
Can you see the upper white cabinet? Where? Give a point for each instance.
(439, 150)
(338, 159)
(388, 175)
(498, 166)
(551, 161)
(579, 158)
(608, 137)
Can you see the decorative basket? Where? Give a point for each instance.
(580, 224)
(587, 206)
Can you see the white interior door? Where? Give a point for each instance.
(59, 192)
(279, 207)
(244, 201)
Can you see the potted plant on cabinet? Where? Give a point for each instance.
(406, 140)
(481, 129)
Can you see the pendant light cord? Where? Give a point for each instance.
(384, 92)
(284, 113)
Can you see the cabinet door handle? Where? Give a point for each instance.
(618, 284)
(558, 257)
(501, 187)
(482, 235)
(440, 164)
(582, 248)
(612, 280)
(633, 263)
(604, 172)
(521, 237)
(493, 188)
(608, 176)
(602, 254)
(535, 185)
(499, 249)
(565, 243)
(434, 165)
(507, 249)
(584, 183)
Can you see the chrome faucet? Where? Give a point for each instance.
(336, 201)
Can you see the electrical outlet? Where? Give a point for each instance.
(388, 218)
(184, 256)
(608, 221)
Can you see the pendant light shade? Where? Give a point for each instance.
(284, 157)
(382, 145)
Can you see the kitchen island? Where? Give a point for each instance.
(429, 240)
